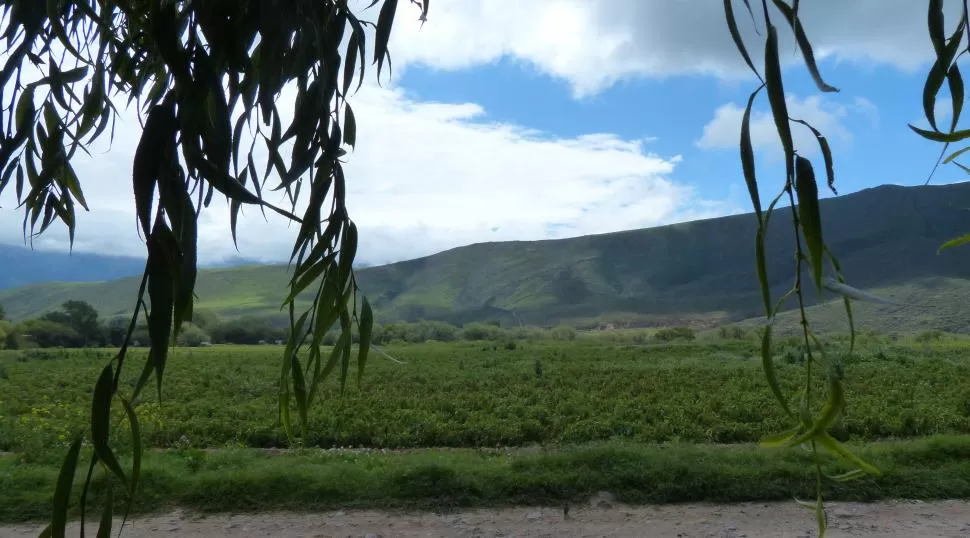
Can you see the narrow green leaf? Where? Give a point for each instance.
(348, 250)
(100, 420)
(808, 216)
(104, 529)
(147, 161)
(226, 184)
(955, 81)
(934, 78)
(829, 443)
(955, 136)
(776, 97)
(25, 108)
(350, 62)
(284, 399)
(74, 75)
(779, 439)
(820, 517)
(184, 299)
(307, 278)
(62, 492)
(366, 326)
(299, 390)
(934, 23)
(956, 154)
(823, 145)
(136, 456)
(956, 242)
(847, 476)
(833, 407)
(736, 36)
(161, 294)
(804, 44)
(762, 268)
(747, 152)
(768, 365)
(350, 127)
(853, 293)
(383, 33)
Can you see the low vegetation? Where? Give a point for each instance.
(551, 418)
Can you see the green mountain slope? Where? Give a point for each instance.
(885, 237)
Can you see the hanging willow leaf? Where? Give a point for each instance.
(100, 418)
(955, 242)
(384, 22)
(747, 155)
(934, 79)
(162, 248)
(776, 96)
(833, 407)
(823, 145)
(955, 81)
(62, 493)
(736, 35)
(147, 163)
(136, 455)
(768, 365)
(104, 529)
(829, 443)
(366, 326)
(859, 295)
(809, 218)
(955, 136)
(804, 44)
(196, 73)
(350, 127)
(934, 22)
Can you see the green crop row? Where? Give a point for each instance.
(480, 395)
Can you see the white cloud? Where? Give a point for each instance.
(723, 130)
(424, 177)
(594, 43)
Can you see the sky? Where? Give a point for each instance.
(509, 120)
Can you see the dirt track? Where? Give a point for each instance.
(603, 518)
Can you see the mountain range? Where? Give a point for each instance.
(699, 272)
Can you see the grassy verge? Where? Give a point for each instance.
(247, 480)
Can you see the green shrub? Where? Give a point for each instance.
(675, 333)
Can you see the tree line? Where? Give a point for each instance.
(77, 324)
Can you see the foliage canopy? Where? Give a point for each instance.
(207, 77)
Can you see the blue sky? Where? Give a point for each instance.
(673, 112)
(510, 120)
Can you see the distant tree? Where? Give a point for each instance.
(482, 331)
(115, 330)
(192, 335)
(674, 333)
(563, 333)
(80, 316)
(3, 313)
(45, 333)
(206, 320)
(246, 330)
(5, 329)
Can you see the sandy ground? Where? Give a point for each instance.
(601, 518)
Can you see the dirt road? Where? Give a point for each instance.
(602, 518)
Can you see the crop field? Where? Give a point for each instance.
(556, 408)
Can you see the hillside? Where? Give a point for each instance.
(885, 237)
